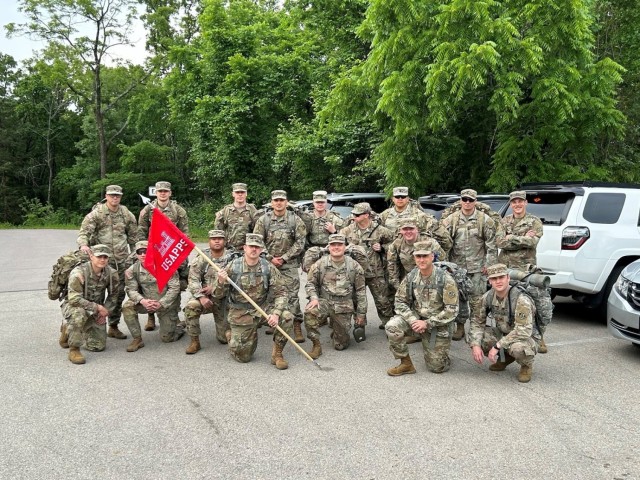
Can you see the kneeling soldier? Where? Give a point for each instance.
(506, 324)
(426, 306)
(334, 284)
(262, 282)
(142, 290)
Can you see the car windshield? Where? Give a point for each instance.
(550, 207)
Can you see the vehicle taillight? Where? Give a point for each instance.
(574, 237)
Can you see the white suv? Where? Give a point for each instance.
(591, 232)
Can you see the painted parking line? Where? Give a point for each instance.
(582, 340)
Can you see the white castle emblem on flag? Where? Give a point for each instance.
(167, 242)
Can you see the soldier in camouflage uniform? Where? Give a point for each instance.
(237, 219)
(283, 233)
(202, 278)
(142, 290)
(320, 223)
(336, 287)
(473, 233)
(374, 238)
(263, 283)
(426, 307)
(494, 331)
(113, 225)
(178, 216)
(85, 308)
(404, 207)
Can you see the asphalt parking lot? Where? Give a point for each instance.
(158, 413)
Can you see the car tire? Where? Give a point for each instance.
(601, 309)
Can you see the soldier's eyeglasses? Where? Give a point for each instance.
(141, 251)
(467, 200)
(399, 196)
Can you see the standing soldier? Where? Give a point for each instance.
(426, 307)
(202, 278)
(236, 219)
(519, 238)
(321, 223)
(374, 238)
(283, 233)
(473, 233)
(113, 225)
(85, 308)
(506, 323)
(336, 288)
(178, 216)
(404, 207)
(142, 290)
(262, 282)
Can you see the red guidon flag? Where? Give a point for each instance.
(168, 248)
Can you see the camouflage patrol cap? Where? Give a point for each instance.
(359, 208)
(142, 244)
(401, 191)
(319, 195)
(217, 234)
(337, 238)
(278, 194)
(518, 194)
(239, 187)
(163, 186)
(422, 248)
(114, 190)
(407, 223)
(497, 270)
(100, 250)
(469, 192)
(254, 239)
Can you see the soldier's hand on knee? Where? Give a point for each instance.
(273, 320)
(101, 311)
(101, 319)
(205, 302)
(419, 326)
(478, 354)
(312, 304)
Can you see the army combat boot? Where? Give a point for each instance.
(405, 367)
(194, 346)
(75, 356)
(151, 323)
(542, 348)
(316, 351)
(276, 357)
(297, 331)
(459, 333)
(136, 344)
(525, 373)
(500, 366)
(114, 332)
(64, 336)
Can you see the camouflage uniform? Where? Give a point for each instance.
(119, 231)
(317, 236)
(236, 223)
(400, 259)
(242, 316)
(285, 238)
(374, 275)
(201, 274)
(340, 289)
(86, 290)
(516, 249)
(474, 249)
(140, 284)
(434, 299)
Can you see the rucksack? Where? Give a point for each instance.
(459, 275)
(236, 270)
(482, 207)
(57, 288)
(538, 296)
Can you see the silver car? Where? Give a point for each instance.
(623, 307)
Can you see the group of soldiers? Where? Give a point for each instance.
(261, 252)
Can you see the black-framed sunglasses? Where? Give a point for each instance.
(141, 251)
(359, 214)
(467, 199)
(400, 196)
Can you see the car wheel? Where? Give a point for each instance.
(602, 308)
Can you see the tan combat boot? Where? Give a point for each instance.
(459, 333)
(405, 367)
(194, 346)
(542, 348)
(316, 351)
(114, 332)
(136, 344)
(297, 331)
(525, 373)
(64, 336)
(151, 323)
(499, 366)
(276, 357)
(75, 356)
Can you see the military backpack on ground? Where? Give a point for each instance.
(57, 288)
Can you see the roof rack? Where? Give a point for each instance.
(576, 184)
